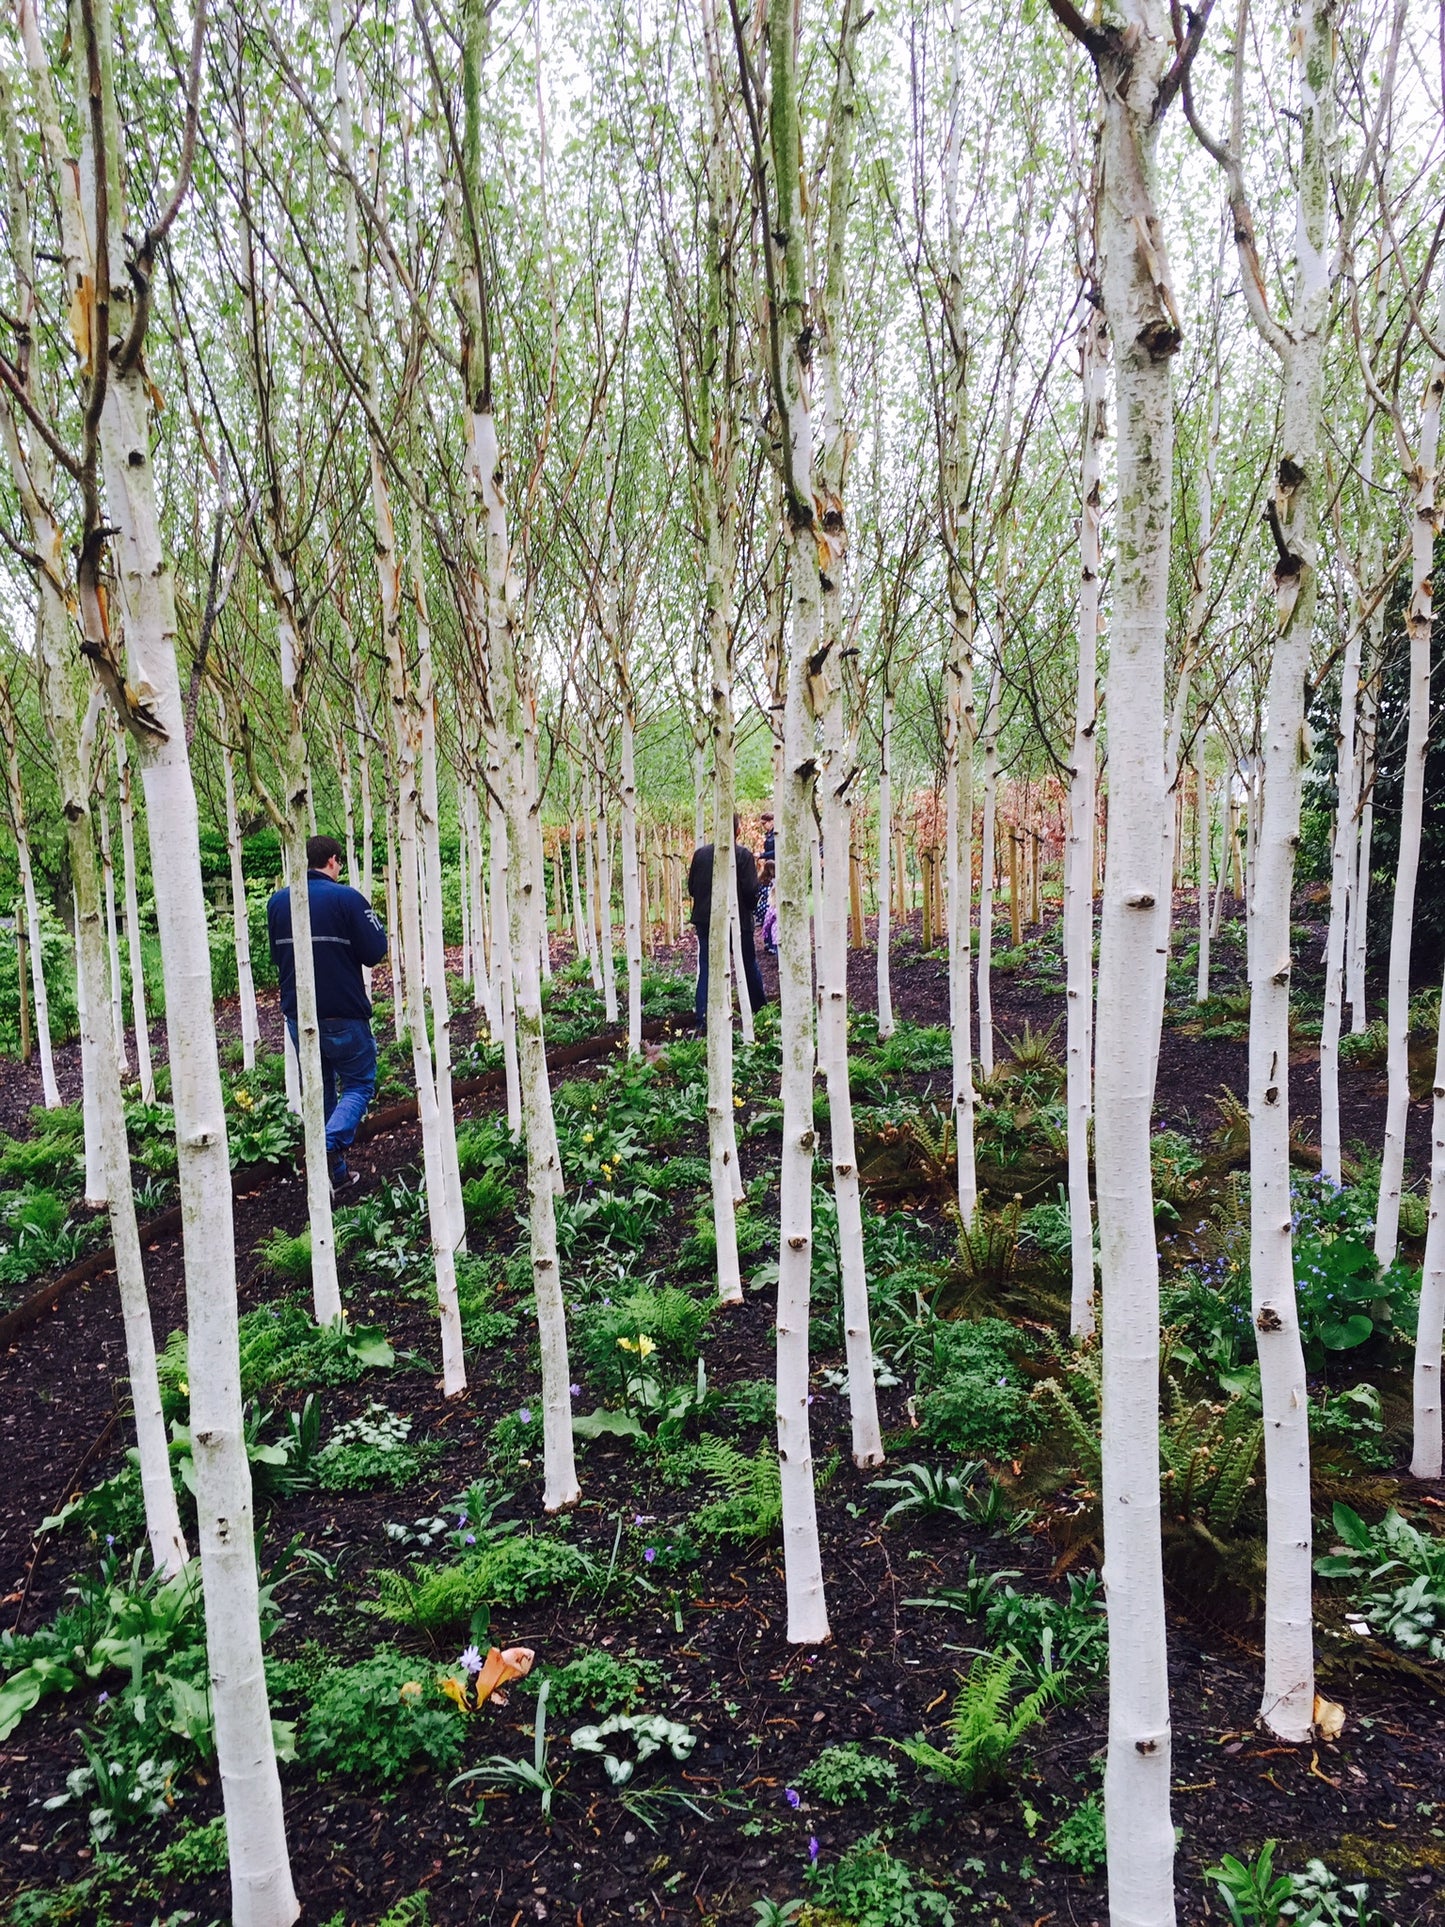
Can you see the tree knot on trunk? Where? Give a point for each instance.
(1269, 1320)
(1140, 900)
(1146, 1747)
(844, 1170)
(797, 1242)
(1271, 1096)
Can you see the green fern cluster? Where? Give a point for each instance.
(988, 1246)
(1207, 1450)
(750, 1505)
(985, 1725)
(1208, 1453)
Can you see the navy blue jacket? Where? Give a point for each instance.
(345, 934)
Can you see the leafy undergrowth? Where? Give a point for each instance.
(669, 1754)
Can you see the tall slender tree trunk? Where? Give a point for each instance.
(808, 552)
(987, 868)
(884, 939)
(1079, 856)
(143, 1066)
(34, 932)
(1144, 331)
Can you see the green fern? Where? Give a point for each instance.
(750, 1505)
(984, 1727)
(988, 1246)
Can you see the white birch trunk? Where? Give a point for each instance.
(604, 906)
(144, 1069)
(240, 916)
(96, 1195)
(1341, 860)
(807, 550)
(33, 930)
(885, 873)
(504, 985)
(112, 924)
(1143, 330)
(1203, 845)
(989, 861)
(262, 1894)
(1079, 855)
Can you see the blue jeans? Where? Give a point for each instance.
(348, 1059)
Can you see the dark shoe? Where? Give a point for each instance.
(342, 1177)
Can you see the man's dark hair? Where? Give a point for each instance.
(320, 850)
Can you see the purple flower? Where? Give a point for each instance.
(793, 1797)
(101, 1700)
(638, 1519)
(650, 1554)
(461, 1520)
(110, 1538)
(470, 1539)
(813, 1847)
(525, 1415)
(471, 1659)
(575, 1390)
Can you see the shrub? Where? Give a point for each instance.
(199, 1848)
(483, 1323)
(371, 1450)
(869, 1886)
(506, 1571)
(970, 1397)
(1079, 1842)
(379, 1720)
(596, 1680)
(609, 1336)
(845, 1775)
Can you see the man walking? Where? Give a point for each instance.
(699, 888)
(346, 936)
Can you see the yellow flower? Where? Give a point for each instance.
(586, 1137)
(644, 1347)
(411, 1691)
(737, 1103)
(242, 1100)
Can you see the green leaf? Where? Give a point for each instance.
(1335, 1565)
(622, 1425)
(1352, 1528)
(21, 1691)
(1341, 1336)
(368, 1346)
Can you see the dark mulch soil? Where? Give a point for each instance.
(762, 1708)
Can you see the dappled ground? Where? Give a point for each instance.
(399, 1529)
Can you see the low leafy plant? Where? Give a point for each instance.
(504, 1570)
(379, 1720)
(198, 1849)
(484, 1323)
(869, 1886)
(1063, 1641)
(648, 1332)
(1408, 1608)
(985, 1726)
(970, 1397)
(1174, 1167)
(1352, 1418)
(373, 1449)
(926, 1491)
(750, 1505)
(599, 1680)
(1079, 1842)
(1254, 1895)
(844, 1775)
(752, 1401)
(528, 1776)
(645, 1734)
(486, 1199)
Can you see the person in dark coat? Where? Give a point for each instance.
(699, 888)
(347, 936)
